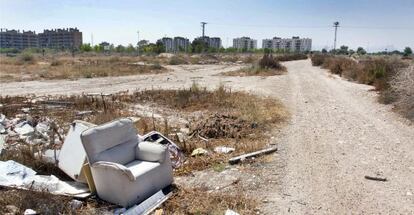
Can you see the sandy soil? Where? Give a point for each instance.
(338, 134)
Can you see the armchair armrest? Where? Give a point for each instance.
(114, 167)
(152, 152)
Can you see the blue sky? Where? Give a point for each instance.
(372, 24)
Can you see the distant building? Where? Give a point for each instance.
(105, 45)
(18, 40)
(244, 43)
(181, 44)
(168, 43)
(177, 44)
(212, 42)
(60, 38)
(294, 44)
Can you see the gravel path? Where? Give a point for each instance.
(337, 134)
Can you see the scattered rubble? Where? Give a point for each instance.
(224, 149)
(222, 126)
(199, 151)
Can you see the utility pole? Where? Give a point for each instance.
(92, 40)
(203, 25)
(336, 25)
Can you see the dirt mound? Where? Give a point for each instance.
(223, 126)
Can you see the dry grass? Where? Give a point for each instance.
(403, 87)
(12, 69)
(200, 201)
(266, 66)
(290, 57)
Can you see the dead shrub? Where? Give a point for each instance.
(200, 201)
(290, 57)
(269, 62)
(318, 59)
(177, 60)
(27, 58)
(403, 86)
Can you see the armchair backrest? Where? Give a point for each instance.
(114, 141)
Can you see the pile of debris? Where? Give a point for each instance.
(26, 129)
(223, 126)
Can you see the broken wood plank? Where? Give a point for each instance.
(375, 178)
(237, 159)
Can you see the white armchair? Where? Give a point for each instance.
(125, 171)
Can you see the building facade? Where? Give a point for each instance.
(244, 43)
(294, 44)
(211, 42)
(176, 44)
(68, 38)
(18, 40)
(181, 44)
(59, 38)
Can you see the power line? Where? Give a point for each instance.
(315, 26)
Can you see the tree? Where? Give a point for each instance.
(361, 51)
(408, 51)
(324, 51)
(343, 50)
(130, 48)
(86, 47)
(120, 48)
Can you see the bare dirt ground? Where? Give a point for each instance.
(337, 134)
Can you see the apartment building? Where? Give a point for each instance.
(181, 44)
(168, 44)
(212, 42)
(294, 44)
(176, 44)
(18, 40)
(60, 38)
(244, 43)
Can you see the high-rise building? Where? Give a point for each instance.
(168, 44)
(18, 40)
(211, 42)
(181, 44)
(58, 38)
(294, 44)
(244, 43)
(68, 38)
(178, 44)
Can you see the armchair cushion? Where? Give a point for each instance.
(137, 168)
(152, 152)
(110, 136)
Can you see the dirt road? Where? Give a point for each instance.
(338, 133)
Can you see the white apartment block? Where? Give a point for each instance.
(294, 44)
(175, 45)
(181, 44)
(244, 43)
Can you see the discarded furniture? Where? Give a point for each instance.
(125, 170)
(72, 155)
(176, 155)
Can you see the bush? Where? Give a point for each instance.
(290, 57)
(403, 86)
(56, 62)
(318, 59)
(269, 62)
(175, 60)
(26, 58)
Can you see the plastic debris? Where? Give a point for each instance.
(75, 204)
(1, 143)
(231, 212)
(30, 212)
(24, 130)
(13, 173)
(224, 149)
(199, 151)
